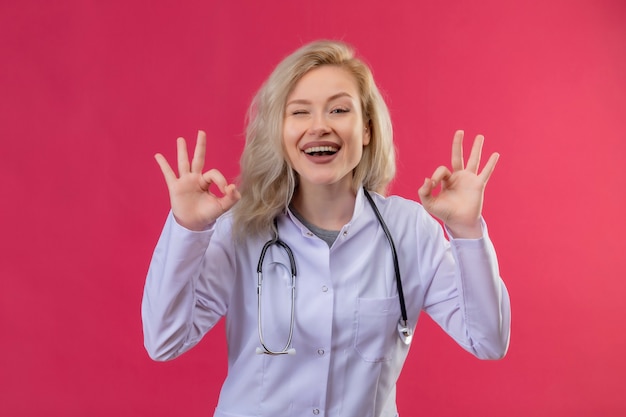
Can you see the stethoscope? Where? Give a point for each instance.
(404, 331)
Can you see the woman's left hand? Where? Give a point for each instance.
(460, 200)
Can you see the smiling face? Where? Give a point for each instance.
(323, 131)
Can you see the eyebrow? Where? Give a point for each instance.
(331, 98)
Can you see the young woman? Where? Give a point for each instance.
(320, 276)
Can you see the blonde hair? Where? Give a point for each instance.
(267, 181)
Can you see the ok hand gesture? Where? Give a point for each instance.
(193, 204)
(460, 200)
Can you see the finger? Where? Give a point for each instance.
(457, 151)
(166, 169)
(489, 167)
(213, 176)
(183, 157)
(197, 163)
(441, 174)
(474, 158)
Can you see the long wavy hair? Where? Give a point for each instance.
(267, 181)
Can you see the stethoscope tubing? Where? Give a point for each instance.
(394, 253)
(287, 349)
(405, 332)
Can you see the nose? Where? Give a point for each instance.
(319, 126)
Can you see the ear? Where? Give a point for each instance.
(367, 135)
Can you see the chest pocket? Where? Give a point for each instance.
(376, 328)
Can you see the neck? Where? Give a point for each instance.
(328, 207)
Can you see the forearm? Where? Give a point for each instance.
(484, 299)
(467, 297)
(169, 293)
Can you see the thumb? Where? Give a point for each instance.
(425, 191)
(230, 197)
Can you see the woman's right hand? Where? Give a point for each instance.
(193, 204)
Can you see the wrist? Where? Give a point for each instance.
(190, 225)
(464, 231)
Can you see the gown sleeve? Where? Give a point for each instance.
(466, 295)
(180, 301)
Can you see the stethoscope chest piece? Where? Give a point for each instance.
(405, 332)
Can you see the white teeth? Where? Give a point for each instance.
(316, 149)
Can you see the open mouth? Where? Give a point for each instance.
(321, 150)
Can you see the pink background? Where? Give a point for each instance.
(90, 90)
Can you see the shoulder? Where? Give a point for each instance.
(225, 235)
(224, 225)
(404, 214)
(397, 204)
